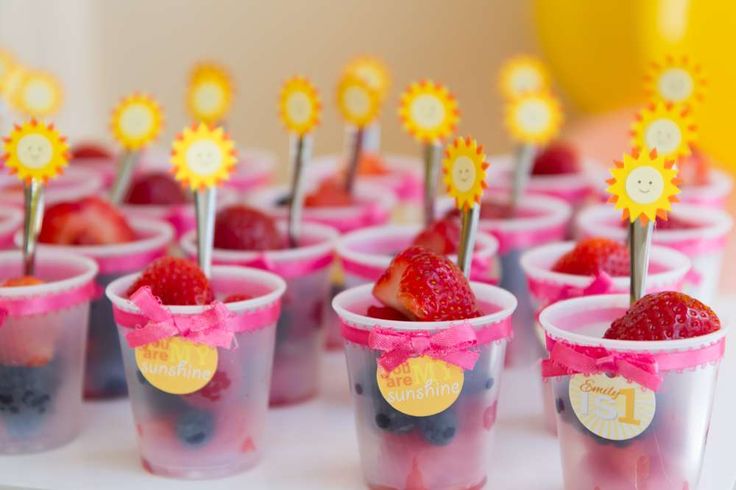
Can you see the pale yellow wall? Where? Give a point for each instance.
(107, 48)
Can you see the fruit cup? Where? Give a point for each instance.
(300, 333)
(365, 254)
(73, 184)
(10, 220)
(192, 423)
(446, 446)
(104, 373)
(44, 328)
(667, 271)
(700, 233)
(645, 432)
(255, 168)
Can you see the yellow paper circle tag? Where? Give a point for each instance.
(36, 151)
(664, 127)
(422, 386)
(612, 408)
(202, 156)
(357, 101)
(210, 93)
(299, 106)
(38, 94)
(176, 365)
(136, 121)
(534, 118)
(428, 111)
(464, 169)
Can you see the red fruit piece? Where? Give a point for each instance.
(675, 223)
(385, 313)
(330, 192)
(371, 164)
(175, 281)
(234, 298)
(664, 316)
(414, 480)
(594, 255)
(158, 188)
(243, 228)
(495, 210)
(426, 286)
(213, 390)
(21, 281)
(89, 221)
(84, 151)
(441, 237)
(556, 158)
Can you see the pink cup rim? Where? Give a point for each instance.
(86, 271)
(486, 244)
(326, 236)
(74, 183)
(501, 166)
(603, 220)
(157, 234)
(10, 220)
(277, 286)
(558, 312)
(485, 293)
(537, 263)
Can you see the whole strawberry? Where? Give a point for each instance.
(592, 256)
(425, 286)
(158, 188)
(175, 281)
(664, 316)
(557, 158)
(243, 228)
(88, 221)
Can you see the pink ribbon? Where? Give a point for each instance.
(215, 326)
(47, 303)
(293, 268)
(551, 293)
(513, 240)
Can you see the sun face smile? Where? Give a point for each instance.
(202, 156)
(534, 118)
(665, 128)
(36, 151)
(428, 111)
(136, 121)
(464, 171)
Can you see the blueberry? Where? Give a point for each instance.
(195, 427)
(358, 388)
(283, 326)
(394, 421)
(559, 405)
(26, 395)
(439, 429)
(159, 401)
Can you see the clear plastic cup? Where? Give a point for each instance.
(219, 429)
(300, 330)
(668, 454)
(42, 351)
(104, 374)
(704, 242)
(73, 184)
(11, 220)
(445, 450)
(667, 271)
(365, 254)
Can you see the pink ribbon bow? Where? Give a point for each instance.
(210, 327)
(565, 359)
(454, 345)
(552, 294)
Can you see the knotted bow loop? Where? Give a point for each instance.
(565, 359)
(602, 283)
(211, 326)
(455, 345)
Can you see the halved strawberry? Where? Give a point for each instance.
(175, 281)
(90, 151)
(556, 158)
(592, 256)
(441, 237)
(385, 313)
(426, 286)
(30, 344)
(89, 221)
(157, 188)
(234, 298)
(330, 192)
(243, 228)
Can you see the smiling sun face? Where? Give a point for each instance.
(210, 93)
(428, 111)
(36, 150)
(136, 121)
(643, 186)
(202, 157)
(464, 171)
(666, 128)
(675, 80)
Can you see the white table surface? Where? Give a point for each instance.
(312, 445)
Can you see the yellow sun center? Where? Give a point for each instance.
(677, 80)
(523, 75)
(136, 121)
(357, 100)
(534, 118)
(202, 157)
(210, 93)
(428, 111)
(37, 94)
(372, 71)
(464, 169)
(299, 106)
(666, 128)
(36, 151)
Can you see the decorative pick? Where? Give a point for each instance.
(464, 169)
(36, 153)
(643, 186)
(210, 93)
(522, 75)
(202, 158)
(38, 94)
(665, 127)
(676, 80)
(429, 112)
(299, 110)
(359, 104)
(375, 73)
(136, 121)
(532, 119)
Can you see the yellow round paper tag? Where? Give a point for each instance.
(664, 127)
(210, 93)
(176, 365)
(675, 79)
(534, 118)
(428, 111)
(612, 408)
(357, 101)
(464, 171)
(38, 94)
(299, 106)
(136, 121)
(421, 386)
(36, 150)
(203, 156)
(521, 75)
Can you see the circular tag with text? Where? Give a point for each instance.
(176, 365)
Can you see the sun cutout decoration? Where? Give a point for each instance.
(371, 70)
(36, 151)
(644, 186)
(136, 121)
(522, 75)
(665, 127)
(675, 80)
(299, 105)
(7, 65)
(428, 111)
(210, 93)
(464, 169)
(38, 94)
(202, 156)
(534, 118)
(357, 100)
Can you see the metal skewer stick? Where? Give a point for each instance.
(432, 153)
(126, 164)
(355, 153)
(33, 205)
(301, 153)
(524, 159)
(468, 232)
(640, 240)
(204, 205)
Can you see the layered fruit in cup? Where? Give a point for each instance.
(425, 392)
(43, 320)
(633, 388)
(198, 356)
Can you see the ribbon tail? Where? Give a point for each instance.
(648, 379)
(462, 359)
